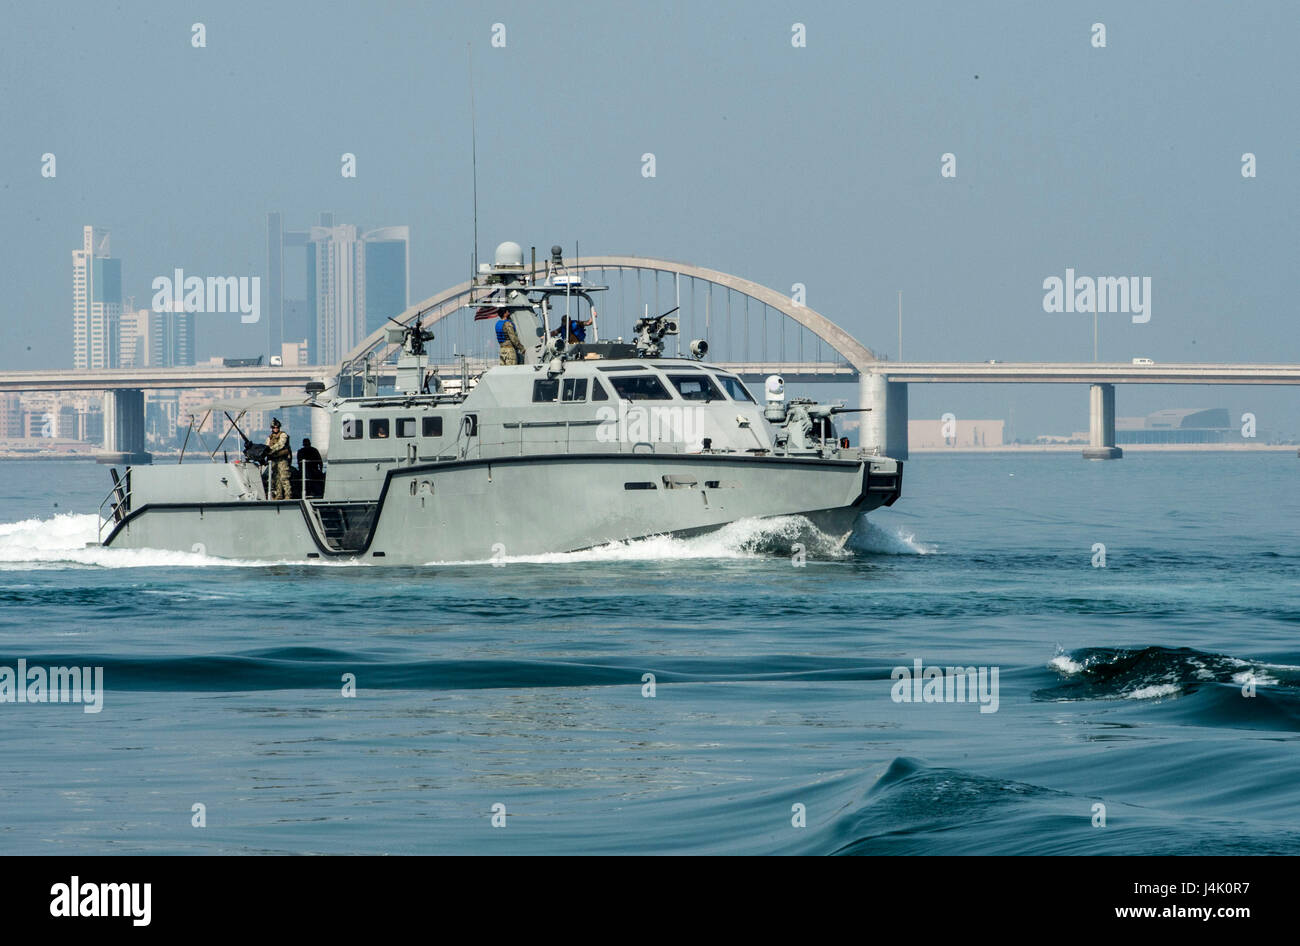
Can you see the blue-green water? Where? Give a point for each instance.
(523, 685)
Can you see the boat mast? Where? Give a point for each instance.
(473, 139)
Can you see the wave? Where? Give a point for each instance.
(917, 808)
(310, 668)
(873, 539)
(1153, 673)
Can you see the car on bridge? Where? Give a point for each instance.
(1143, 361)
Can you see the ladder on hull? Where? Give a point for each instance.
(343, 526)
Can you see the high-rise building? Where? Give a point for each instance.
(161, 412)
(96, 302)
(351, 283)
(338, 316)
(133, 338)
(11, 415)
(171, 338)
(385, 284)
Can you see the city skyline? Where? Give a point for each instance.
(352, 280)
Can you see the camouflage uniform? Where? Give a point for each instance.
(512, 352)
(280, 453)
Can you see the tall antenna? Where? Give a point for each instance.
(473, 137)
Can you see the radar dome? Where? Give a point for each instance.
(510, 254)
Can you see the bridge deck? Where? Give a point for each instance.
(1089, 373)
(207, 376)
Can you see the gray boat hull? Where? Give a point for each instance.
(483, 509)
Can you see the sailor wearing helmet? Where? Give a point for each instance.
(279, 455)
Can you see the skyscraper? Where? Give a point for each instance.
(352, 283)
(338, 316)
(133, 338)
(171, 338)
(96, 302)
(385, 276)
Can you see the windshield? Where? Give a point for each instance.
(698, 387)
(643, 387)
(735, 388)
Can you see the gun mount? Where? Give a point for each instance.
(651, 332)
(411, 336)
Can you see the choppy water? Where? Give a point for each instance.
(522, 685)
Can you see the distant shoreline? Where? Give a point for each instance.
(4, 455)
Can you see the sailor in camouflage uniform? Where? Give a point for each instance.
(279, 455)
(512, 351)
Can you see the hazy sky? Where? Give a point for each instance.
(818, 165)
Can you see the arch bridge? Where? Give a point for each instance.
(751, 329)
(752, 320)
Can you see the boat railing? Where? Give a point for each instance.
(120, 495)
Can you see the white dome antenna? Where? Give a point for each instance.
(509, 255)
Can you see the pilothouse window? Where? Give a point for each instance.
(575, 389)
(379, 428)
(644, 387)
(432, 427)
(695, 387)
(406, 426)
(735, 388)
(352, 430)
(546, 391)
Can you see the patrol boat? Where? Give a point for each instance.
(578, 446)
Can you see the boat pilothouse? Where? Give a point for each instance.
(579, 443)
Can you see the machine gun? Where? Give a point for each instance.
(827, 410)
(413, 336)
(650, 333)
(804, 425)
(257, 453)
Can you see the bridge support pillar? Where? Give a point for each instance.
(1101, 424)
(124, 428)
(884, 428)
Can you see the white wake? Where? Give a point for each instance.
(70, 540)
(779, 536)
(874, 539)
(61, 542)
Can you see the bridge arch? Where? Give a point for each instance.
(446, 303)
